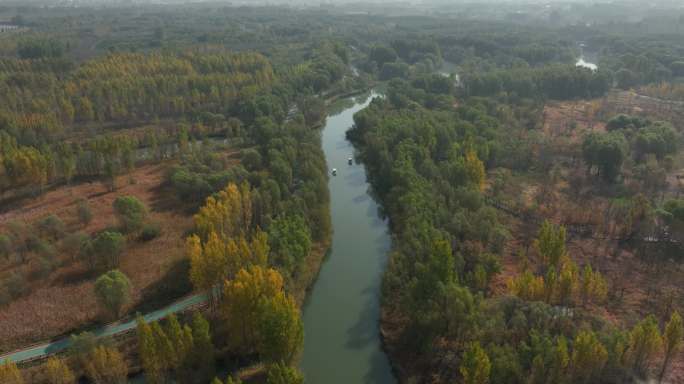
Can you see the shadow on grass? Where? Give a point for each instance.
(170, 287)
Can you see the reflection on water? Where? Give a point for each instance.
(341, 316)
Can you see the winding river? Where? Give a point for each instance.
(341, 316)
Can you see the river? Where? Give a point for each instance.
(341, 315)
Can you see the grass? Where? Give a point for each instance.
(63, 301)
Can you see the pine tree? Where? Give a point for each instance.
(475, 365)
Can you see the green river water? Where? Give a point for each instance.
(341, 316)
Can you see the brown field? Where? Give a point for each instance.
(64, 301)
(638, 285)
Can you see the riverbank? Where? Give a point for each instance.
(341, 315)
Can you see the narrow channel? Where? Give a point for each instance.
(341, 316)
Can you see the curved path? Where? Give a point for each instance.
(42, 350)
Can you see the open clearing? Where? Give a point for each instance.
(64, 301)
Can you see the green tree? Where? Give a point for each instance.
(550, 243)
(290, 242)
(672, 340)
(475, 365)
(113, 290)
(588, 356)
(281, 330)
(281, 373)
(203, 351)
(130, 212)
(83, 211)
(147, 350)
(81, 345)
(606, 151)
(105, 250)
(644, 342)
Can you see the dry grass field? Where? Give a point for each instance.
(64, 300)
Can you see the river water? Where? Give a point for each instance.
(341, 315)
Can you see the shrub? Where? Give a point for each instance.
(16, 285)
(150, 231)
(74, 243)
(5, 246)
(85, 215)
(113, 290)
(131, 213)
(105, 249)
(51, 227)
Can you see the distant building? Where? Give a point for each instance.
(8, 27)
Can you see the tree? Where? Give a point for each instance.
(113, 291)
(644, 343)
(290, 242)
(147, 349)
(588, 356)
(57, 372)
(228, 214)
(475, 365)
(559, 361)
(85, 215)
(672, 340)
(203, 349)
(242, 307)
(5, 246)
(10, 374)
(130, 212)
(606, 151)
(550, 243)
(475, 169)
(81, 346)
(179, 344)
(281, 330)
(281, 373)
(105, 250)
(106, 366)
(593, 286)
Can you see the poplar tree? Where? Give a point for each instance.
(106, 366)
(147, 350)
(203, 348)
(644, 342)
(475, 365)
(57, 372)
(10, 374)
(550, 243)
(281, 330)
(589, 356)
